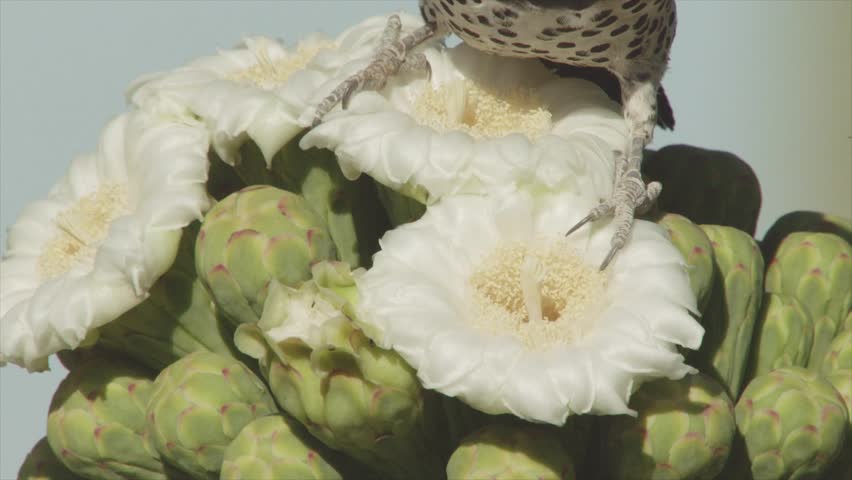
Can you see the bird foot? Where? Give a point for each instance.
(392, 56)
(630, 196)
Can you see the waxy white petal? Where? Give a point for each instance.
(384, 135)
(417, 301)
(52, 300)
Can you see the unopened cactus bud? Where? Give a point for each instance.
(803, 221)
(793, 422)
(514, 450)
(198, 405)
(783, 335)
(734, 305)
(324, 371)
(253, 237)
(816, 268)
(684, 430)
(697, 250)
(96, 423)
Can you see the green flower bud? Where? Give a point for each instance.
(324, 371)
(684, 430)
(96, 423)
(198, 406)
(277, 447)
(511, 451)
(839, 355)
(783, 337)
(793, 423)
(252, 237)
(693, 243)
(841, 380)
(349, 208)
(734, 305)
(803, 221)
(816, 268)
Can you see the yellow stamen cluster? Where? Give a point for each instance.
(569, 291)
(463, 105)
(81, 229)
(268, 73)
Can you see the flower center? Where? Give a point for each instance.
(81, 229)
(268, 73)
(462, 105)
(540, 292)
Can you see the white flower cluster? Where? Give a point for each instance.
(107, 231)
(484, 295)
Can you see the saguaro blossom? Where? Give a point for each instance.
(491, 303)
(91, 250)
(478, 121)
(259, 89)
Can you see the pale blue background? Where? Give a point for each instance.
(768, 80)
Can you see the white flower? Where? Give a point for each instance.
(491, 303)
(302, 314)
(91, 250)
(259, 89)
(481, 121)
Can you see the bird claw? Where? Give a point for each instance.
(597, 213)
(609, 257)
(588, 218)
(629, 196)
(391, 57)
(386, 63)
(347, 95)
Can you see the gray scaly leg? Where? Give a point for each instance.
(630, 194)
(392, 56)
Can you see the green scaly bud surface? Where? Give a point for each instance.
(783, 335)
(803, 221)
(733, 308)
(276, 447)
(842, 382)
(324, 371)
(96, 424)
(198, 406)
(350, 208)
(41, 464)
(684, 430)
(793, 422)
(510, 451)
(252, 237)
(816, 268)
(839, 355)
(696, 249)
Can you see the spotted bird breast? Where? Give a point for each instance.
(620, 35)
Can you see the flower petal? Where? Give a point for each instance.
(160, 163)
(417, 300)
(381, 133)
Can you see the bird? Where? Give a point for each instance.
(621, 43)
